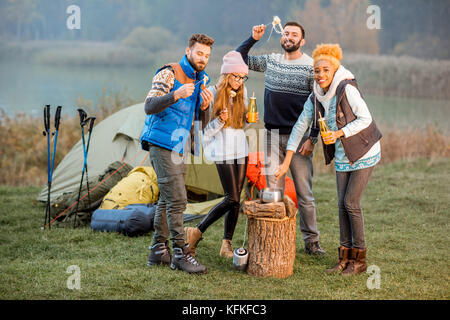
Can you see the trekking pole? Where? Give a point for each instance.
(91, 126)
(83, 116)
(46, 133)
(55, 134)
(57, 120)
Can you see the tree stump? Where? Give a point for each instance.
(271, 241)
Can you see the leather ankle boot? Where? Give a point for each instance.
(313, 248)
(159, 254)
(183, 260)
(343, 254)
(193, 237)
(226, 250)
(357, 262)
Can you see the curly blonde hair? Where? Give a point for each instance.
(328, 51)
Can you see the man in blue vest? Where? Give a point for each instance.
(176, 100)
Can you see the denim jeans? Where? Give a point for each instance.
(301, 168)
(350, 188)
(171, 175)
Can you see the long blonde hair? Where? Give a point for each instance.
(222, 101)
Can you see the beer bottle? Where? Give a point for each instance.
(252, 109)
(324, 129)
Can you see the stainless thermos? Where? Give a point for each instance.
(240, 259)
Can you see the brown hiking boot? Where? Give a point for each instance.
(226, 250)
(357, 262)
(193, 237)
(343, 254)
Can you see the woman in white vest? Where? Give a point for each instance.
(225, 143)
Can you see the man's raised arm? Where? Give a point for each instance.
(255, 63)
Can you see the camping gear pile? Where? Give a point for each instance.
(118, 203)
(114, 151)
(115, 154)
(63, 209)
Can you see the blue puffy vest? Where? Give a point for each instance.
(170, 129)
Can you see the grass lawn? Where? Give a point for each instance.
(406, 211)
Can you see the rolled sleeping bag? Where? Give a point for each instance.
(133, 220)
(140, 220)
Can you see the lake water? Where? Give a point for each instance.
(27, 87)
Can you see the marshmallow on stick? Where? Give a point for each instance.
(277, 22)
(205, 79)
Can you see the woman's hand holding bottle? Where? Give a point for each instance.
(256, 117)
(331, 136)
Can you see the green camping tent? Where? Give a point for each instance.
(116, 138)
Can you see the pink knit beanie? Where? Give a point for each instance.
(233, 63)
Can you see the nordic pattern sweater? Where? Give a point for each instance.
(288, 83)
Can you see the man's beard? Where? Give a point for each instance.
(292, 48)
(196, 67)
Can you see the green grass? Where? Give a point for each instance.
(406, 211)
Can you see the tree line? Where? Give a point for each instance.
(408, 27)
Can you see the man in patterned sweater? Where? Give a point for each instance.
(288, 83)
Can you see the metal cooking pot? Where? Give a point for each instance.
(268, 195)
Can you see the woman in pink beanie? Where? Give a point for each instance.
(225, 143)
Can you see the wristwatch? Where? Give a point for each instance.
(313, 139)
